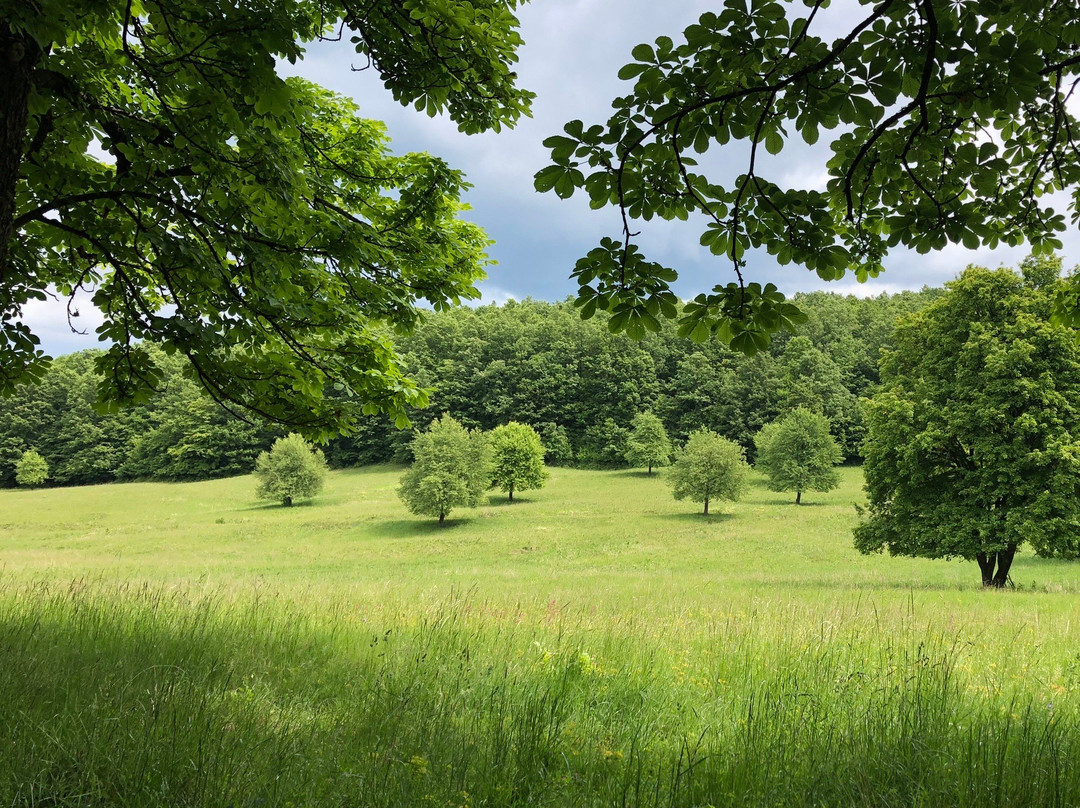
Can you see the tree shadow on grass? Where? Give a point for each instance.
(693, 516)
(420, 526)
(501, 500)
(794, 508)
(638, 474)
(277, 506)
(889, 585)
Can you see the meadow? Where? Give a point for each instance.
(593, 644)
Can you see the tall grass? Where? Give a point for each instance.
(159, 696)
(597, 644)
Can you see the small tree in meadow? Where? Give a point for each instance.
(517, 458)
(648, 444)
(450, 469)
(31, 469)
(798, 453)
(708, 468)
(291, 470)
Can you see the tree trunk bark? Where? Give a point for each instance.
(798, 497)
(511, 493)
(19, 54)
(650, 468)
(287, 501)
(1004, 561)
(442, 517)
(706, 506)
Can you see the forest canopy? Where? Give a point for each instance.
(576, 383)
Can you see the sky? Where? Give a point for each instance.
(573, 51)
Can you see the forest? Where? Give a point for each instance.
(539, 363)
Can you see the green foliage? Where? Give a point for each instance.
(291, 470)
(255, 225)
(534, 362)
(558, 450)
(178, 434)
(648, 443)
(811, 379)
(974, 433)
(604, 444)
(798, 454)
(709, 468)
(951, 126)
(451, 468)
(31, 470)
(517, 458)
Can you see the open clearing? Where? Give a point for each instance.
(595, 643)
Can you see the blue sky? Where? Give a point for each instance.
(572, 54)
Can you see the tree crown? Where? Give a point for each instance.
(708, 468)
(451, 468)
(517, 458)
(974, 431)
(798, 453)
(291, 470)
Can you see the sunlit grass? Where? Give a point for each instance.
(596, 643)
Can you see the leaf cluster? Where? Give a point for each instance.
(951, 124)
(255, 225)
(291, 470)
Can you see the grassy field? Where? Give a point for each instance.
(595, 643)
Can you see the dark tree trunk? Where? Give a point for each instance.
(442, 517)
(1002, 560)
(287, 501)
(650, 468)
(511, 492)
(798, 497)
(19, 54)
(986, 567)
(706, 506)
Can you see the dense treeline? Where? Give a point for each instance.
(538, 363)
(180, 434)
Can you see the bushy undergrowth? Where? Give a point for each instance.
(128, 696)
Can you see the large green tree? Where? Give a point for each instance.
(151, 153)
(974, 434)
(950, 125)
(798, 453)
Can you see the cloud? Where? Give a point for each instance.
(491, 294)
(48, 320)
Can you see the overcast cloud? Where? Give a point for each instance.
(573, 51)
